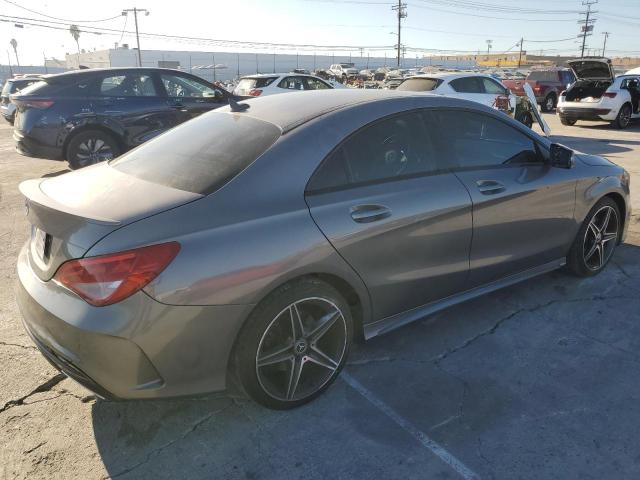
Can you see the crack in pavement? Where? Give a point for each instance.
(26, 347)
(44, 387)
(500, 322)
(197, 424)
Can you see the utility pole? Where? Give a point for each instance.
(520, 55)
(587, 29)
(135, 11)
(402, 13)
(606, 35)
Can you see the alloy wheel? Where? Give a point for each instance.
(301, 349)
(625, 116)
(600, 238)
(549, 104)
(93, 150)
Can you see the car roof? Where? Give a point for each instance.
(269, 75)
(290, 111)
(451, 76)
(91, 71)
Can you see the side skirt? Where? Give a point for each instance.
(395, 321)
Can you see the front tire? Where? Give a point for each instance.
(567, 122)
(294, 344)
(90, 147)
(596, 240)
(623, 119)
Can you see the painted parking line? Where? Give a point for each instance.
(435, 448)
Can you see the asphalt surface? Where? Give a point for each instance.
(536, 381)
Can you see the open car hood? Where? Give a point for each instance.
(592, 69)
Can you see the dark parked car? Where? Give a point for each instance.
(11, 86)
(88, 116)
(256, 244)
(546, 84)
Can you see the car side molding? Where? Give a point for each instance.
(395, 321)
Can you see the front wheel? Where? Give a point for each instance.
(91, 147)
(623, 119)
(567, 121)
(294, 344)
(596, 240)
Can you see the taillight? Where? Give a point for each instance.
(255, 92)
(537, 89)
(41, 104)
(609, 94)
(111, 278)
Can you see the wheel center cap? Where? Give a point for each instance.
(598, 238)
(300, 347)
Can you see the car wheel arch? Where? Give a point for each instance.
(92, 126)
(622, 207)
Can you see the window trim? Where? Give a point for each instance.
(538, 145)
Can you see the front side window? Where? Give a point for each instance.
(493, 87)
(179, 86)
(467, 85)
(480, 141)
(127, 85)
(386, 150)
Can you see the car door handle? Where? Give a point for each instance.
(369, 213)
(490, 187)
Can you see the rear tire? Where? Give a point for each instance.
(90, 147)
(549, 103)
(273, 346)
(623, 119)
(567, 121)
(596, 240)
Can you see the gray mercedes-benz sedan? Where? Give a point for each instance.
(258, 241)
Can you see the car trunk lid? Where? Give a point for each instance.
(72, 212)
(592, 69)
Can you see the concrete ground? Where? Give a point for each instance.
(536, 381)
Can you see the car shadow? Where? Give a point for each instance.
(55, 174)
(596, 146)
(420, 370)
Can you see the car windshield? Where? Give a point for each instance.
(420, 84)
(201, 155)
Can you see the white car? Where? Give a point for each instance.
(343, 70)
(598, 94)
(477, 87)
(263, 84)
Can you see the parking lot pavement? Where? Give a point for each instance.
(538, 380)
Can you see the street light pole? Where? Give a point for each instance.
(606, 35)
(135, 11)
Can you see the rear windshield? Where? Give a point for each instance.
(543, 76)
(420, 84)
(201, 155)
(250, 83)
(13, 86)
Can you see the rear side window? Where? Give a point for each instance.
(467, 85)
(420, 84)
(291, 83)
(201, 155)
(260, 82)
(493, 87)
(390, 149)
(127, 85)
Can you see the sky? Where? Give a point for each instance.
(448, 25)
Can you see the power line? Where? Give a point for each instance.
(56, 18)
(475, 5)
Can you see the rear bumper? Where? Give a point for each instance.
(30, 147)
(136, 349)
(573, 113)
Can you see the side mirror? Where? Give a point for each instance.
(561, 156)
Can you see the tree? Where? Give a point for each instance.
(75, 33)
(14, 44)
